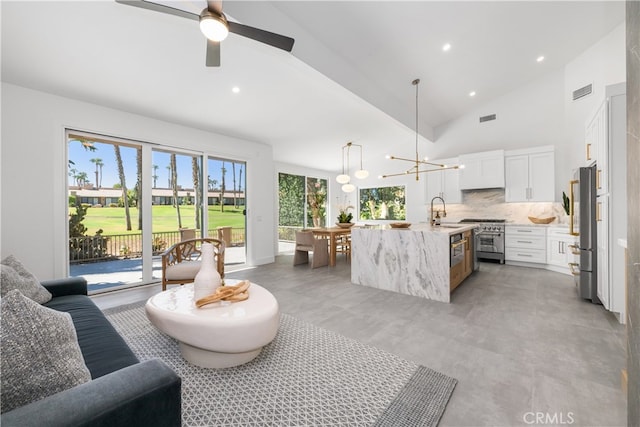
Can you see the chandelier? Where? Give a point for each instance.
(344, 178)
(415, 169)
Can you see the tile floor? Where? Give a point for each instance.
(519, 340)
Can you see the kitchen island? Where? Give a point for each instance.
(413, 261)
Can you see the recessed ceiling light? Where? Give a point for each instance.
(446, 47)
(235, 89)
(472, 93)
(540, 58)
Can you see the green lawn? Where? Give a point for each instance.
(112, 220)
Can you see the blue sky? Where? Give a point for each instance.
(82, 163)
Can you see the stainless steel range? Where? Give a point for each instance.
(489, 238)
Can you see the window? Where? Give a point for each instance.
(383, 203)
(302, 203)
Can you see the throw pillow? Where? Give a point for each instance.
(15, 276)
(40, 355)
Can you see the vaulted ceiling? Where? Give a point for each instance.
(347, 79)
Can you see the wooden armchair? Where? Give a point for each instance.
(181, 262)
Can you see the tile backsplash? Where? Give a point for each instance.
(490, 203)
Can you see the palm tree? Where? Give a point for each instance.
(174, 186)
(123, 185)
(169, 176)
(82, 179)
(240, 182)
(155, 175)
(139, 186)
(99, 164)
(100, 182)
(224, 171)
(73, 173)
(195, 174)
(235, 200)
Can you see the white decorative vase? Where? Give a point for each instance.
(208, 279)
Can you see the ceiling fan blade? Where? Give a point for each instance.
(213, 54)
(160, 8)
(267, 37)
(215, 6)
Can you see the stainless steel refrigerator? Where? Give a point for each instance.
(583, 224)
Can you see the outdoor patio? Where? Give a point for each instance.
(112, 275)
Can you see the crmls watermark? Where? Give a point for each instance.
(555, 418)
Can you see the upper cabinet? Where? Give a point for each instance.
(596, 146)
(530, 175)
(444, 183)
(482, 170)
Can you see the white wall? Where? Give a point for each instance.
(33, 159)
(530, 116)
(542, 112)
(602, 64)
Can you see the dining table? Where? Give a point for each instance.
(332, 234)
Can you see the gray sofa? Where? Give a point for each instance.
(122, 392)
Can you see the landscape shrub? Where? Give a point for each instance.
(81, 246)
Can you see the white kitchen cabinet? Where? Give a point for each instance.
(596, 133)
(525, 244)
(482, 170)
(561, 250)
(605, 139)
(597, 146)
(529, 175)
(444, 183)
(602, 236)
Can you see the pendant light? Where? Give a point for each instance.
(345, 178)
(415, 169)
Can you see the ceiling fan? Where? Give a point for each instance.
(214, 25)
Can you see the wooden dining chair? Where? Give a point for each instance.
(305, 243)
(187, 234)
(343, 245)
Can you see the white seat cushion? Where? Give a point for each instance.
(185, 270)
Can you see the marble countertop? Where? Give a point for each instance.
(446, 229)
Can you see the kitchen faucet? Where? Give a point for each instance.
(436, 220)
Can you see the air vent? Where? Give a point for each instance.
(487, 118)
(582, 92)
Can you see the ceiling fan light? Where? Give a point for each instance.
(213, 26)
(348, 188)
(361, 174)
(343, 179)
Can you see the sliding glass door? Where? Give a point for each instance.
(105, 211)
(176, 199)
(130, 201)
(226, 207)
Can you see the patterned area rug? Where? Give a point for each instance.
(307, 376)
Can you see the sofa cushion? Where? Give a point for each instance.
(103, 349)
(40, 353)
(15, 276)
(186, 270)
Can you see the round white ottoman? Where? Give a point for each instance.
(218, 335)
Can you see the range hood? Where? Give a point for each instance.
(482, 170)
